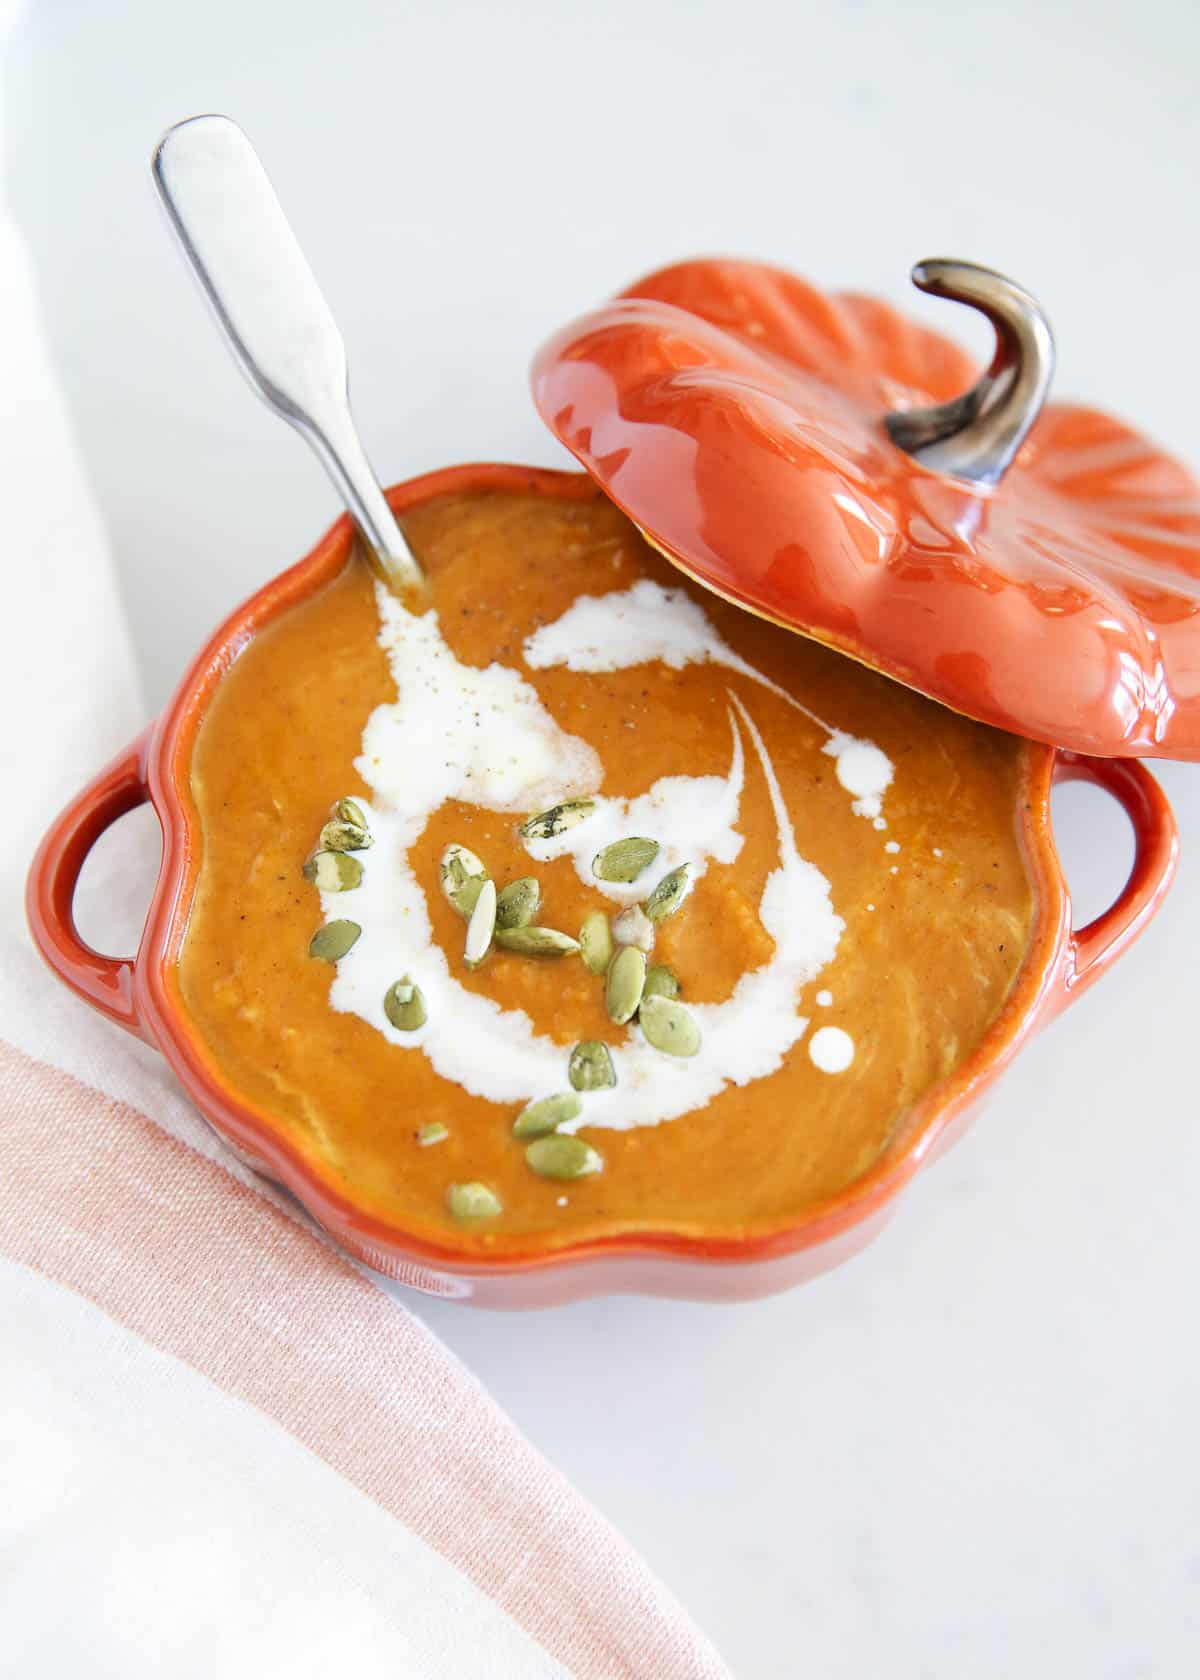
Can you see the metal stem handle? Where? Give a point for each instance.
(975, 437)
(270, 309)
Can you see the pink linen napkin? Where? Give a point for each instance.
(223, 1448)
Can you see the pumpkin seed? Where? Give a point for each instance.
(591, 1066)
(634, 927)
(404, 1005)
(333, 871)
(546, 1115)
(668, 895)
(624, 860)
(468, 898)
(660, 982)
(481, 926)
(463, 874)
(344, 837)
(625, 983)
(473, 1201)
(669, 1027)
(596, 942)
(544, 825)
(518, 903)
(332, 941)
(349, 811)
(536, 941)
(562, 1156)
(434, 1132)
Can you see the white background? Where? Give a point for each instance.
(973, 1449)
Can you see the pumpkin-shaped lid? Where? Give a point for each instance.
(829, 464)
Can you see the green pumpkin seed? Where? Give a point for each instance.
(668, 895)
(332, 941)
(546, 1115)
(481, 926)
(462, 875)
(625, 983)
(596, 942)
(624, 860)
(660, 982)
(544, 825)
(518, 903)
(591, 1066)
(473, 1201)
(634, 927)
(404, 1005)
(563, 1156)
(434, 1132)
(468, 898)
(536, 941)
(344, 837)
(669, 1026)
(333, 871)
(350, 811)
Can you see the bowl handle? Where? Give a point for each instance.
(105, 982)
(1156, 852)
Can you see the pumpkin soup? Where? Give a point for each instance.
(561, 898)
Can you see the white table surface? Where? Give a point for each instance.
(973, 1450)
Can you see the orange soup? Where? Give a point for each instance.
(561, 898)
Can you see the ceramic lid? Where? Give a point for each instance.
(824, 461)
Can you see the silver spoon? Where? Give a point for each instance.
(268, 305)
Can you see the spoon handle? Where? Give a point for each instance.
(250, 266)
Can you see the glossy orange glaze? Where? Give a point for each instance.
(924, 967)
(735, 413)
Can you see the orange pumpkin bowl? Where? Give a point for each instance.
(143, 994)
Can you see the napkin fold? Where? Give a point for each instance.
(224, 1449)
